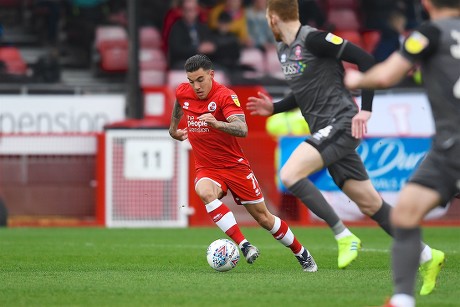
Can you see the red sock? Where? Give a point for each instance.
(285, 235)
(235, 233)
(225, 220)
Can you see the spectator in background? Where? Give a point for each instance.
(258, 29)
(392, 35)
(228, 48)
(238, 24)
(188, 36)
(174, 14)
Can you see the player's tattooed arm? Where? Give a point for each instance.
(175, 117)
(177, 111)
(235, 124)
(174, 132)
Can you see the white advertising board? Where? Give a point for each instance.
(59, 113)
(400, 115)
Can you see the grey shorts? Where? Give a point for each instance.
(441, 172)
(338, 150)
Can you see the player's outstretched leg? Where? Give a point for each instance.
(431, 260)
(430, 270)
(226, 221)
(311, 197)
(285, 236)
(348, 247)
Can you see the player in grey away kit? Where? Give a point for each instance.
(312, 65)
(436, 46)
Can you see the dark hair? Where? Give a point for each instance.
(196, 62)
(446, 3)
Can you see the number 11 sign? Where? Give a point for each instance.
(149, 159)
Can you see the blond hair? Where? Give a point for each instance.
(287, 10)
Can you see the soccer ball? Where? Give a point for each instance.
(222, 255)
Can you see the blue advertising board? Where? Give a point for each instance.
(389, 161)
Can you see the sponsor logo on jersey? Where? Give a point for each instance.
(293, 69)
(198, 126)
(416, 42)
(334, 39)
(212, 106)
(235, 100)
(186, 104)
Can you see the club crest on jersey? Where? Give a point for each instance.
(298, 52)
(235, 100)
(334, 39)
(416, 42)
(212, 106)
(186, 104)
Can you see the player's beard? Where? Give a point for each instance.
(277, 36)
(276, 33)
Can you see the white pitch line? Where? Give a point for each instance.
(266, 247)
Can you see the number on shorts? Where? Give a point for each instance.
(254, 180)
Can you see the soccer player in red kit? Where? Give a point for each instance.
(214, 121)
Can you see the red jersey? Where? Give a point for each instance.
(212, 148)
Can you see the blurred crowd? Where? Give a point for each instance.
(236, 24)
(221, 29)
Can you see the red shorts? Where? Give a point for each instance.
(240, 180)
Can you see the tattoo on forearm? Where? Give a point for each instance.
(236, 126)
(177, 111)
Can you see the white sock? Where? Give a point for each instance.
(343, 234)
(301, 252)
(402, 300)
(425, 255)
(242, 242)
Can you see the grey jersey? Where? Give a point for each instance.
(436, 45)
(316, 82)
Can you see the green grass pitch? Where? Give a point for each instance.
(167, 267)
